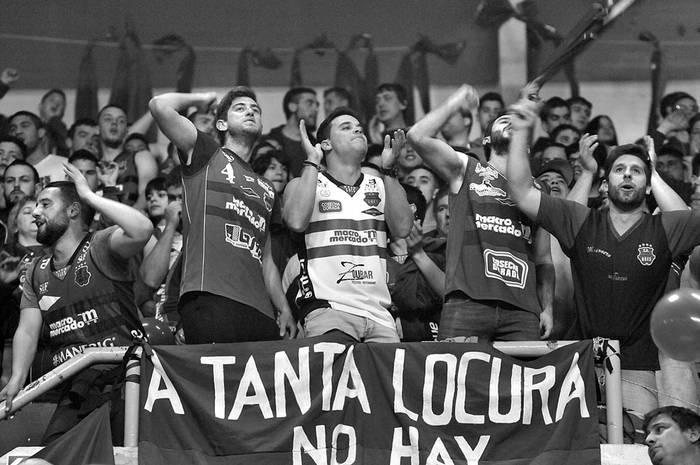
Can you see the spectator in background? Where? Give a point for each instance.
(27, 127)
(456, 131)
(336, 97)
(428, 183)
(553, 151)
(299, 104)
(580, 112)
(603, 127)
(694, 145)
(553, 113)
(272, 165)
(558, 175)
(11, 149)
(491, 106)
(52, 108)
(566, 135)
(84, 134)
(21, 179)
(135, 169)
(204, 121)
(229, 280)
(676, 109)
(391, 101)
(672, 436)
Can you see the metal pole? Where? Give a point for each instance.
(131, 400)
(613, 395)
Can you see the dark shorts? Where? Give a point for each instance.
(208, 318)
(487, 320)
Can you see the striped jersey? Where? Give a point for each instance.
(343, 257)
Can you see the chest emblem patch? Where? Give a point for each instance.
(645, 254)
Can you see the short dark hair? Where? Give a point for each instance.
(292, 96)
(18, 142)
(82, 155)
(156, 184)
(578, 99)
(564, 127)
(69, 195)
(225, 104)
(669, 100)
(629, 149)
(33, 116)
(442, 191)
(398, 89)
(341, 91)
(551, 143)
(111, 105)
(53, 91)
(549, 105)
(136, 135)
(594, 125)
(324, 129)
(81, 122)
(670, 149)
(262, 161)
(684, 417)
(415, 197)
(491, 97)
(18, 162)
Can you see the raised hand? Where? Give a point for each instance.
(523, 113)
(81, 184)
(313, 153)
(649, 144)
(530, 91)
(107, 173)
(586, 146)
(466, 98)
(392, 148)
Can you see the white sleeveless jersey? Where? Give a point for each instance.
(343, 261)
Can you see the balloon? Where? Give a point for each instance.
(675, 324)
(158, 332)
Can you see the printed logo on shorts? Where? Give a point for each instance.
(505, 267)
(645, 254)
(329, 206)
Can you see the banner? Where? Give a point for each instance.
(329, 401)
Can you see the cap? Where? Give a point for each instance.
(560, 166)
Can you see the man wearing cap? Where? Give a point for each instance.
(557, 175)
(499, 274)
(620, 257)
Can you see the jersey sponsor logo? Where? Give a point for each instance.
(373, 212)
(69, 323)
(356, 273)
(592, 249)
(502, 226)
(235, 236)
(329, 206)
(617, 277)
(243, 210)
(645, 254)
(485, 188)
(82, 275)
(70, 352)
(505, 267)
(355, 237)
(249, 192)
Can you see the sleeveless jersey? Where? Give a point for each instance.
(225, 225)
(490, 248)
(84, 307)
(343, 258)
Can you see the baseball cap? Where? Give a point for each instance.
(560, 166)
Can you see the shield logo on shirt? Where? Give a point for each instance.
(645, 254)
(372, 199)
(82, 275)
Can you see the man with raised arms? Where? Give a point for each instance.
(229, 280)
(499, 275)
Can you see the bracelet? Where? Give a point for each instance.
(392, 172)
(312, 164)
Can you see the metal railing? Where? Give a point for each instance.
(613, 382)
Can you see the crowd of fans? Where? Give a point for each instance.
(290, 186)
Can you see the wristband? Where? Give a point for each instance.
(312, 164)
(392, 172)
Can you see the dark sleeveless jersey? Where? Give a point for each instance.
(225, 225)
(619, 279)
(490, 248)
(128, 178)
(88, 303)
